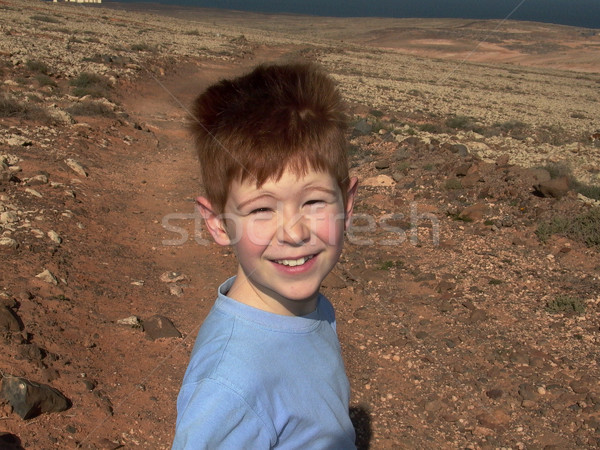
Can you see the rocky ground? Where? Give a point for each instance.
(468, 293)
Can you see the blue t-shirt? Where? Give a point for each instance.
(258, 380)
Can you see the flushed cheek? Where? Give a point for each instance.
(330, 230)
(253, 232)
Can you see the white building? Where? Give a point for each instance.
(80, 1)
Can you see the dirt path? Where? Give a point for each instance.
(446, 346)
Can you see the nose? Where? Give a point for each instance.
(293, 229)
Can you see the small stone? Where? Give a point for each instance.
(421, 334)
(463, 170)
(132, 321)
(37, 180)
(382, 164)
(54, 237)
(8, 243)
(172, 277)
(47, 276)
(362, 128)
(157, 327)
(474, 212)
(495, 394)
(8, 217)
(520, 357)
(478, 315)
(580, 386)
(495, 420)
(379, 181)
(434, 405)
(528, 392)
(176, 290)
(76, 167)
(461, 149)
(33, 192)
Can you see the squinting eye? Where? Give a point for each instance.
(314, 202)
(260, 210)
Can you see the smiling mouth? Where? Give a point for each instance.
(294, 262)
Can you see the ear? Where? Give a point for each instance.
(213, 221)
(350, 196)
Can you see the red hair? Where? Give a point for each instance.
(256, 126)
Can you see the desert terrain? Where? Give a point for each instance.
(467, 297)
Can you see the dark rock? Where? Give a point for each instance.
(445, 286)
(421, 334)
(30, 399)
(520, 357)
(9, 321)
(157, 327)
(361, 128)
(495, 394)
(461, 149)
(528, 392)
(556, 188)
(478, 315)
(580, 386)
(9, 441)
(382, 164)
(470, 180)
(400, 155)
(412, 141)
(463, 170)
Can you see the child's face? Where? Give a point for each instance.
(287, 235)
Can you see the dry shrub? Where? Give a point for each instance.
(583, 228)
(10, 107)
(91, 109)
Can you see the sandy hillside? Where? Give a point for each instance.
(468, 292)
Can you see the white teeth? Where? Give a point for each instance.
(293, 262)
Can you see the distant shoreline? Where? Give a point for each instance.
(581, 19)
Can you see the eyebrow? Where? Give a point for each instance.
(254, 199)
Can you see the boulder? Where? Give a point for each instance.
(157, 327)
(29, 399)
(9, 321)
(555, 188)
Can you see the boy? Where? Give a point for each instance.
(266, 370)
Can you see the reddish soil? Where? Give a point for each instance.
(447, 346)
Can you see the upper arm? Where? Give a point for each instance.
(212, 416)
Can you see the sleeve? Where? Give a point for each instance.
(213, 416)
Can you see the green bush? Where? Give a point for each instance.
(583, 228)
(565, 304)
